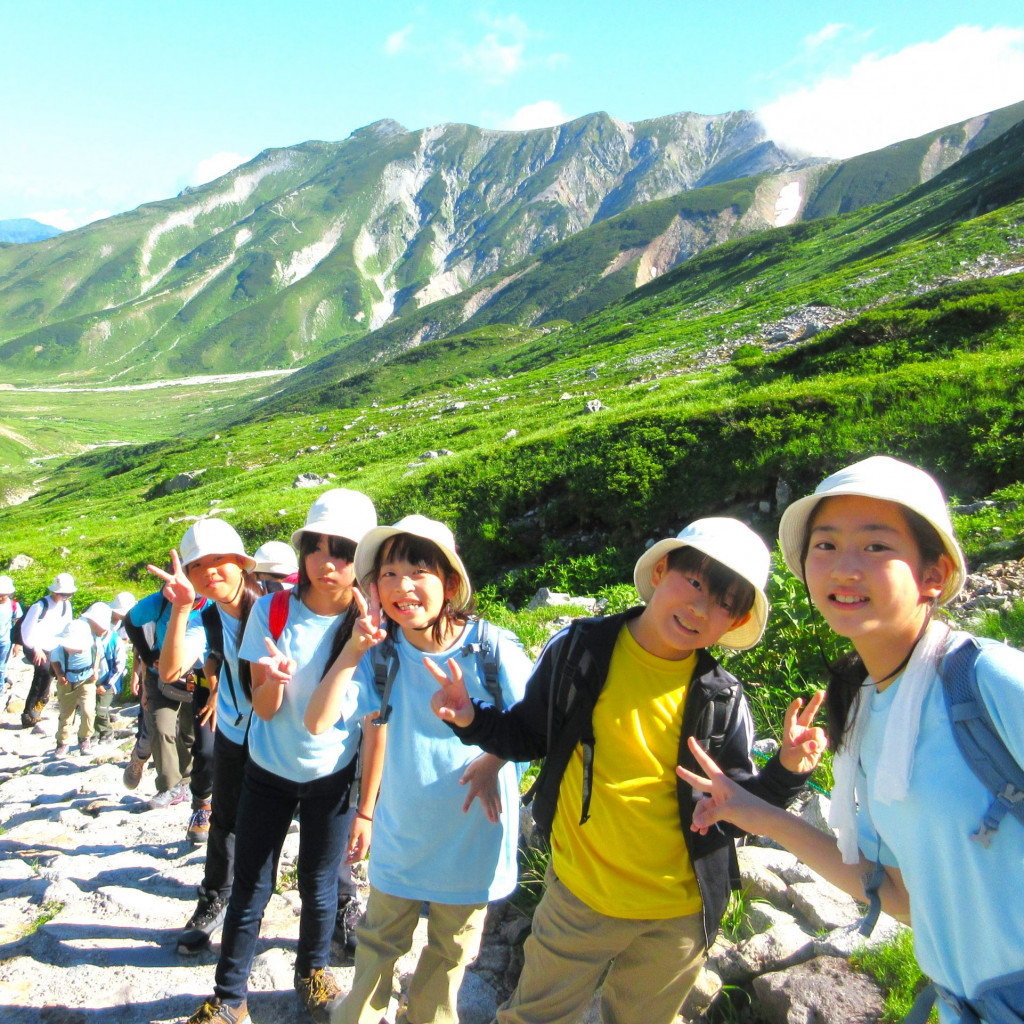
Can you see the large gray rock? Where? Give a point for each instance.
(19, 562)
(824, 906)
(825, 990)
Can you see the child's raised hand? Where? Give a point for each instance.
(177, 588)
(481, 775)
(279, 667)
(803, 743)
(451, 703)
(724, 800)
(367, 631)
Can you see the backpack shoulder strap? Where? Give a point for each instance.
(384, 660)
(978, 741)
(278, 613)
(713, 723)
(214, 631)
(486, 650)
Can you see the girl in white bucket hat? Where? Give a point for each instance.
(876, 549)
(287, 644)
(213, 565)
(420, 616)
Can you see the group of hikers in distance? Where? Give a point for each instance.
(372, 701)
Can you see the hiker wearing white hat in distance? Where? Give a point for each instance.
(467, 856)
(875, 546)
(10, 612)
(43, 620)
(276, 565)
(113, 661)
(633, 897)
(288, 642)
(75, 662)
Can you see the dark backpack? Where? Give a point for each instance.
(384, 658)
(215, 649)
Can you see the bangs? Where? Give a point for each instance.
(416, 551)
(725, 586)
(339, 547)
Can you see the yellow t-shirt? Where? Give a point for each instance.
(630, 858)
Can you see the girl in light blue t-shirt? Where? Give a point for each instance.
(466, 856)
(875, 547)
(290, 638)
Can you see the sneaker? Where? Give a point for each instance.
(85, 746)
(213, 1011)
(204, 924)
(38, 729)
(133, 773)
(350, 913)
(199, 825)
(169, 797)
(317, 990)
(61, 751)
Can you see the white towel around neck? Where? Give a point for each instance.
(892, 774)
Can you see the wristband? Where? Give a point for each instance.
(365, 817)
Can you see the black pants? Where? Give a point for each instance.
(228, 771)
(38, 693)
(201, 782)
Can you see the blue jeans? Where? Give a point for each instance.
(265, 811)
(5, 653)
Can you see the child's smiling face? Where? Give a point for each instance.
(411, 594)
(216, 577)
(864, 573)
(682, 615)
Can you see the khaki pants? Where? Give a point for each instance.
(453, 940)
(83, 697)
(654, 964)
(172, 732)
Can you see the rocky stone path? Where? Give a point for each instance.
(94, 888)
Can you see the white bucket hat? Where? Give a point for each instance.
(7, 585)
(339, 513)
(75, 636)
(888, 480)
(276, 557)
(63, 583)
(418, 526)
(98, 613)
(737, 547)
(213, 537)
(123, 603)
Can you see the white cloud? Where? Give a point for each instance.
(536, 115)
(503, 50)
(493, 58)
(67, 218)
(883, 99)
(825, 35)
(214, 166)
(397, 41)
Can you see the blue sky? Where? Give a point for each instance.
(112, 103)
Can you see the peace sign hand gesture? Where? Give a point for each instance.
(451, 703)
(279, 667)
(367, 631)
(803, 743)
(177, 588)
(723, 799)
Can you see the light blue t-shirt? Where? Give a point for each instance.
(284, 746)
(424, 847)
(77, 666)
(156, 608)
(233, 707)
(966, 901)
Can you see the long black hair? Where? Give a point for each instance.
(847, 674)
(345, 550)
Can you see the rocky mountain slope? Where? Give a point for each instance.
(309, 248)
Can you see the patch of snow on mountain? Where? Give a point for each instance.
(304, 261)
(787, 206)
(240, 188)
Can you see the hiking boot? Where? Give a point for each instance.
(350, 913)
(213, 1011)
(85, 747)
(61, 751)
(199, 825)
(169, 797)
(204, 924)
(133, 773)
(317, 990)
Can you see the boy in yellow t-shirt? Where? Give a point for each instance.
(610, 706)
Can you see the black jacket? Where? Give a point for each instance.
(555, 715)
